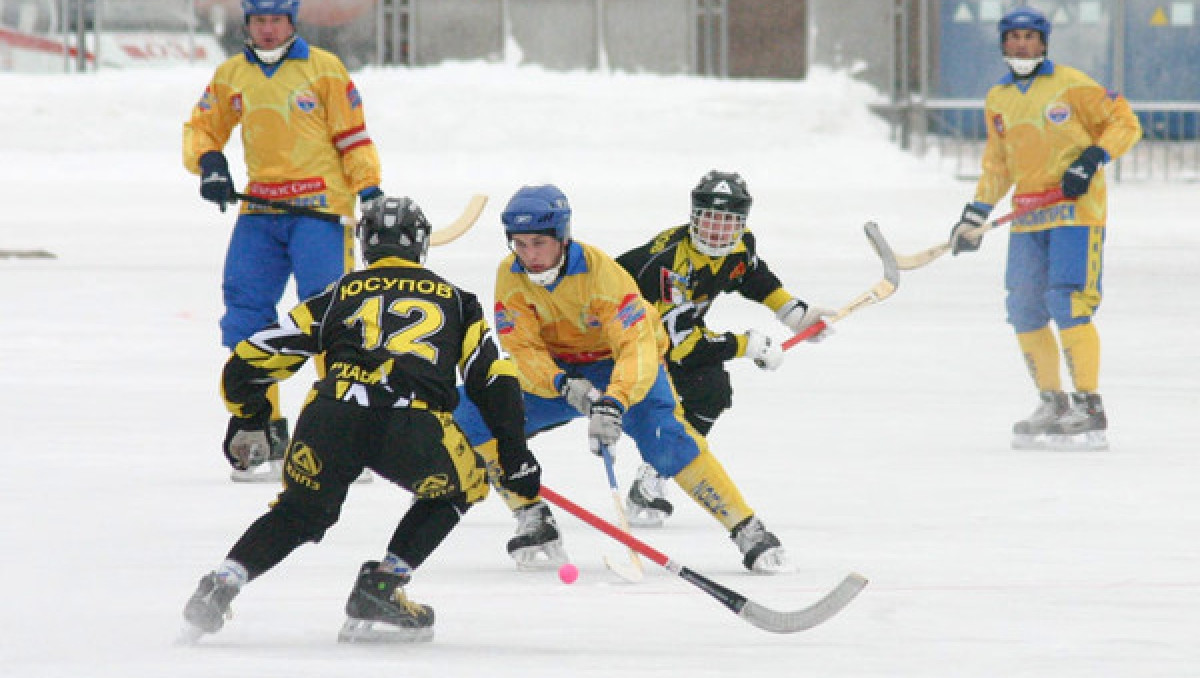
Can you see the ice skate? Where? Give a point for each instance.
(378, 611)
(647, 503)
(270, 469)
(208, 608)
(537, 544)
(1030, 433)
(1083, 427)
(761, 550)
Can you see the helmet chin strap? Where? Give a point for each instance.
(271, 57)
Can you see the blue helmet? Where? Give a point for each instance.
(1024, 17)
(290, 8)
(538, 209)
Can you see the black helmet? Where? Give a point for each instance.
(725, 191)
(394, 227)
(720, 204)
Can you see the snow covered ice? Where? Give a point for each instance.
(883, 449)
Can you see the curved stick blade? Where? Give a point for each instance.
(455, 229)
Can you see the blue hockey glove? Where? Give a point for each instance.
(1078, 177)
(216, 184)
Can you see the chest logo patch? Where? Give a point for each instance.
(1058, 113)
(673, 287)
(306, 101)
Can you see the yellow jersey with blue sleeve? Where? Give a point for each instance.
(593, 312)
(303, 132)
(1036, 128)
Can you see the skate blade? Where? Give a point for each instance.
(189, 635)
(774, 561)
(1028, 441)
(644, 517)
(364, 631)
(544, 557)
(1092, 440)
(270, 472)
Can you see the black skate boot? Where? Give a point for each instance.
(761, 550)
(208, 608)
(379, 612)
(537, 543)
(1083, 427)
(1030, 433)
(647, 503)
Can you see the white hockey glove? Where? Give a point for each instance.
(764, 351)
(965, 236)
(799, 316)
(604, 424)
(579, 393)
(247, 442)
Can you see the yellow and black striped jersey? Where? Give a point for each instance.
(682, 284)
(392, 335)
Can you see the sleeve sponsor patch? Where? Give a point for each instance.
(631, 311)
(353, 96)
(206, 100)
(504, 319)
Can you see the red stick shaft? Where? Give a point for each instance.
(605, 526)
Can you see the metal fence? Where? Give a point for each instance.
(945, 56)
(87, 35)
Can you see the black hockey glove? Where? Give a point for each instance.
(522, 475)
(368, 198)
(604, 424)
(1078, 177)
(962, 236)
(248, 441)
(216, 184)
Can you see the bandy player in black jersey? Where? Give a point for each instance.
(682, 271)
(395, 337)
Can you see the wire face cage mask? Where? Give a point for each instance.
(716, 232)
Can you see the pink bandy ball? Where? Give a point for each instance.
(568, 573)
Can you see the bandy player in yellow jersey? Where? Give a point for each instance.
(586, 344)
(1051, 128)
(305, 141)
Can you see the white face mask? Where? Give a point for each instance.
(547, 277)
(271, 57)
(1023, 67)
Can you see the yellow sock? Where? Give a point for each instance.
(491, 457)
(1040, 349)
(707, 483)
(1081, 348)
